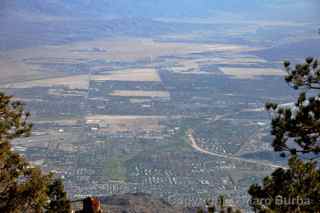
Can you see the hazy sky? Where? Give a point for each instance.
(247, 9)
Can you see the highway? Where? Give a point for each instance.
(194, 145)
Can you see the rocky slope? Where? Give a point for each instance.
(139, 203)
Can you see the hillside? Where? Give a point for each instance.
(30, 33)
(131, 203)
(136, 202)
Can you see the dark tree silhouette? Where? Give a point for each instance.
(296, 131)
(292, 190)
(23, 187)
(296, 127)
(58, 198)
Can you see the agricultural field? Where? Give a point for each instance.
(143, 74)
(121, 124)
(117, 111)
(251, 73)
(70, 82)
(15, 70)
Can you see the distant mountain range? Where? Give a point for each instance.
(39, 22)
(263, 9)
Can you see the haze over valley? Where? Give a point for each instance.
(161, 97)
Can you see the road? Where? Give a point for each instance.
(194, 145)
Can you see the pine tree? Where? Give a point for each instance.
(296, 131)
(58, 198)
(23, 187)
(221, 201)
(296, 189)
(299, 122)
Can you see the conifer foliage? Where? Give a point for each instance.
(296, 131)
(296, 127)
(23, 187)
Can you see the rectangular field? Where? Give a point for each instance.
(142, 74)
(71, 82)
(126, 124)
(250, 73)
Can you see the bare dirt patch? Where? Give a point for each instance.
(35, 63)
(143, 74)
(250, 73)
(71, 82)
(235, 59)
(138, 48)
(193, 65)
(186, 66)
(119, 49)
(15, 70)
(126, 124)
(26, 64)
